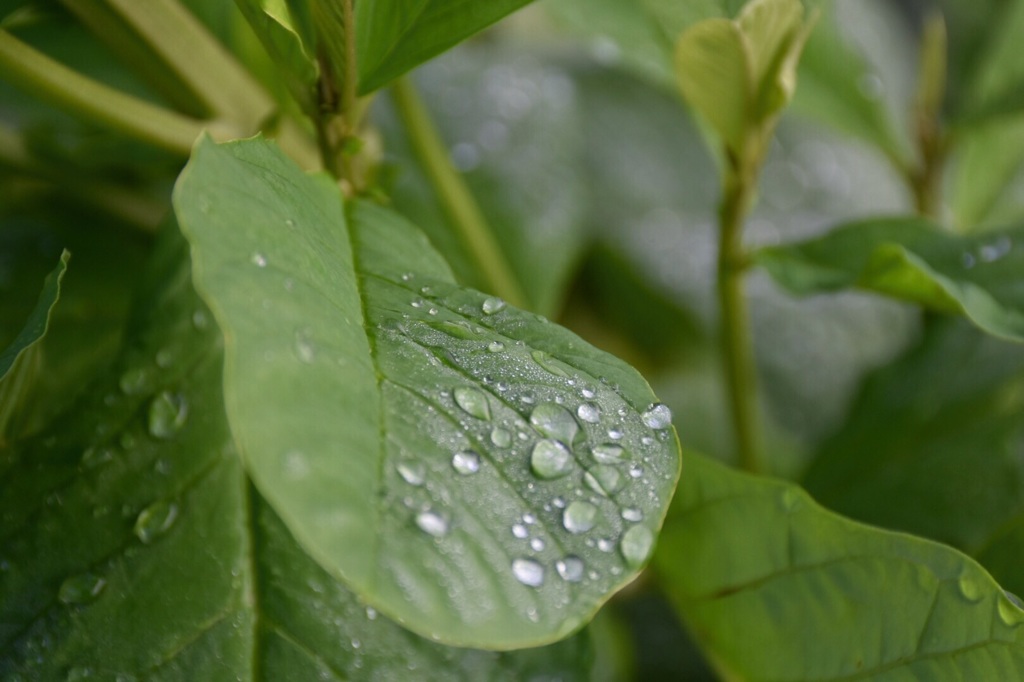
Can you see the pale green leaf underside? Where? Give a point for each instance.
(394, 36)
(913, 260)
(385, 412)
(134, 547)
(778, 588)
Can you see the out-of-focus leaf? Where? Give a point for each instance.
(933, 446)
(133, 546)
(494, 479)
(998, 74)
(913, 260)
(819, 597)
(989, 157)
(521, 152)
(393, 36)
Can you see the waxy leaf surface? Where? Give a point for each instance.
(474, 471)
(911, 259)
(823, 598)
(133, 545)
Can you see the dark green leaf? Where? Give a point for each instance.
(996, 77)
(38, 321)
(932, 446)
(913, 260)
(393, 36)
(777, 588)
(132, 545)
(415, 436)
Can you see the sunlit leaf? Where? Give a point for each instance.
(775, 587)
(472, 470)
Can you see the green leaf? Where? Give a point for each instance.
(990, 156)
(19, 361)
(415, 436)
(912, 260)
(288, 38)
(393, 36)
(713, 72)
(931, 446)
(994, 83)
(775, 587)
(133, 546)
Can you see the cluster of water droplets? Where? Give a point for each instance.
(585, 464)
(988, 252)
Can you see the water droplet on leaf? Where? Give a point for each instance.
(501, 438)
(432, 523)
(492, 305)
(589, 412)
(554, 421)
(632, 514)
(548, 364)
(473, 402)
(466, 462)
(155, 520)
(604, 479)
(608, 453)
(520, 531)
(134, 381)
(411, 471)
(528, 572)
(259, 260)
(305, 350)
(537, 544)
(167, 414)
(570, 568)
(970, 588)
(550, 459)
(495, 346)
(81, 589)
(636, 545)
(579, 517)
(657, 416)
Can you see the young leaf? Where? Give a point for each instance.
(132, 545)
(775, 587)
(476, 472)
(393, 36)
(288, 38)
(19, 360)
(912, 260)
(932, 447)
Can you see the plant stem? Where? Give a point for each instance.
(46, 78)
(740, 368)
(455, 197)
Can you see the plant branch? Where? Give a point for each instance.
(740, 368)
(455, 197)
(26, 67)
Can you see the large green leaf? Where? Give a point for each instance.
(480, 474)
(913, 260)
(777, 588)
(133, 546)
(393, 36)
(932, 446)
(287, 37)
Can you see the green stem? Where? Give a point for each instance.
(740, 368)
(455, 197)
(50, 80)
(223, 85)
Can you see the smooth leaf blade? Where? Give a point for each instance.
(285, 36)
(129, 553)
(823, 598)
(387, 47)
(38, 320)
(913, 260)
(502, 465)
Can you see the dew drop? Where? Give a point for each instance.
(970, 588)
(587, 392)
(134, 381)
(528, 572)
(520, 531)
(636, 471)
(632, 514)
(579, 517)
(96, 456)
(199, 320)
(604, 479)
(550, 459)
(259, 260)
(657, 416)
(305, 350)
(570, 568)
(81, 589)
(495, 346)
(295, 465)
(608, 453)
(537, 544)
(155, 520)
(554, 421)
(473, 402)
(605, 545)
(432, 523)
(501, 438)
(167, 414)
(371, 613)
(411, 471)
(1010, 610)
(636, 545)
(164, 358)
(548, 364)
(466, 462)
(615, 433)
(492, 305)
(529, 518)
(589, 412)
